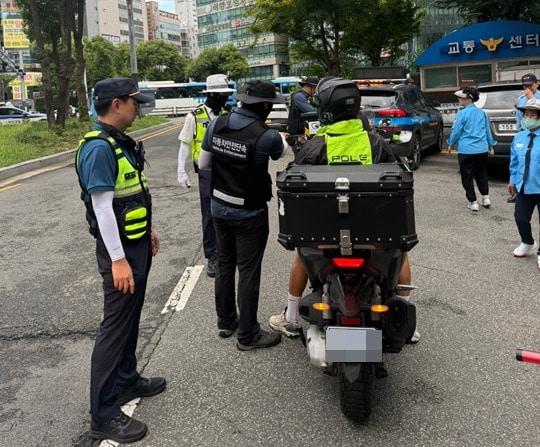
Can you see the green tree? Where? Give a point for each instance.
(226, 59)
(121, 63)
(101, 59)
(385, 26)
(160, 61)
(488, 10)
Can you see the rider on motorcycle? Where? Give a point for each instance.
(341, 138)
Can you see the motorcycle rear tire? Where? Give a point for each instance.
(356, 396)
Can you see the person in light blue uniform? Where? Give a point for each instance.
(472, 135)
(531, 95)
(525, 178)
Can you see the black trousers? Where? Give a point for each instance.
(114, 364)
(240, 243)
(525, 205)
(209, 233)
(474, 167)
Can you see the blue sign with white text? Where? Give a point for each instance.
(504, 39)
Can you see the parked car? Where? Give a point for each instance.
(499, 100)
(13, 115)
(278, 117)
(402, 107)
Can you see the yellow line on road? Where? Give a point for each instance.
(7, 188)
(160, 132)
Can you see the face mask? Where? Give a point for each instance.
(216, 103)
(531, 123)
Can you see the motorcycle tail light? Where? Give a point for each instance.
(398, 113)
(379, 308)
(350, 321)
(528, 356)
(348, 263)
(323, 307)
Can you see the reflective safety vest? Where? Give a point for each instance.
(346, 142)
(131, 202)
(202, 120)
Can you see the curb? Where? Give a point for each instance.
(62, 157)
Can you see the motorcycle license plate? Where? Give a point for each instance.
(353, 344)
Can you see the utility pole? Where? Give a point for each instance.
(132, 43)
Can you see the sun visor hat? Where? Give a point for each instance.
(468, 92)
(534, 106)
(111, 88)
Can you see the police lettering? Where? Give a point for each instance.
(362, 158)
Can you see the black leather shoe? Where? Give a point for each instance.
(227, 332)
(142, 388)
(263, 339)
(211, 268)
(121, 428)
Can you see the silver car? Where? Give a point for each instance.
(499, 100)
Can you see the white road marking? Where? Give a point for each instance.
(177, 301)
(181, 293)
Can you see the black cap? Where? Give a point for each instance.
(529, 79)
(260, 91)
(111, 88)
(309, 80)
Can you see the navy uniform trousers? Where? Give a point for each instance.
(209, 233)
(114, 364)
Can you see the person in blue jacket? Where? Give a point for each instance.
(472, 136)
(525, 178)
(530, 95)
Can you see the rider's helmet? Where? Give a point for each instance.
(337, 99)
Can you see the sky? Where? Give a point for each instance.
(166, 5)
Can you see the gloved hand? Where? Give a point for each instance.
(183, 180)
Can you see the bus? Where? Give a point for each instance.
(180, 95)
(286, 85)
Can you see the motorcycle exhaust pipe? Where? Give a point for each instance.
(528, 356)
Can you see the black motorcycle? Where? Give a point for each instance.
(352, 227)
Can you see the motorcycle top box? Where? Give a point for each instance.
(346, 207)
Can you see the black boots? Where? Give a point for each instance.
(142, 388)
(121, 428)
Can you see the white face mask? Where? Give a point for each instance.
(531, 123)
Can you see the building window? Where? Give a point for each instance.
(440, 77)
(474, 74)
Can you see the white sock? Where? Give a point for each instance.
(292, 308)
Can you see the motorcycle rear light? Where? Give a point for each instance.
(379, 308)
(350, 321)
(348, 263)
(528, 356)
(323, 307)
(398, 113)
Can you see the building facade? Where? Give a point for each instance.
(222, 22)
(163, 25)
(109, 19)
(187, 14)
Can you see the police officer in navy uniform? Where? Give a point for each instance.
(300, 104)
(109, 165)
(237, 148)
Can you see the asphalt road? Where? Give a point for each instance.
(459, 386)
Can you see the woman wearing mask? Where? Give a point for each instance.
(472, 136)
(525, 177)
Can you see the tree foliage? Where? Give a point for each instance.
(330, 32)
(160, 61)
(226, 59)
(101, 59)
(489, 10)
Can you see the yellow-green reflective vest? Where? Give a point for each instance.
(201, 124)
(346, 142)
(131, 202)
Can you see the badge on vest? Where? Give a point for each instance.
(130, 175)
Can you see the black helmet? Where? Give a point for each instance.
(337, 99)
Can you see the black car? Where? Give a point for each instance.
(392, 109)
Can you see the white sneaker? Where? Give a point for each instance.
(280, 324)
(473, 206)
(486, 202)
(416, 337)
(523, 250)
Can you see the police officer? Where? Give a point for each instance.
(341, 139)
(109, 165)
(525, 177)
(191, 137)
(300, 104)
(237, 148)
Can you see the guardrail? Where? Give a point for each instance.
(170, 111)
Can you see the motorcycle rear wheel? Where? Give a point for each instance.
(356, 396)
